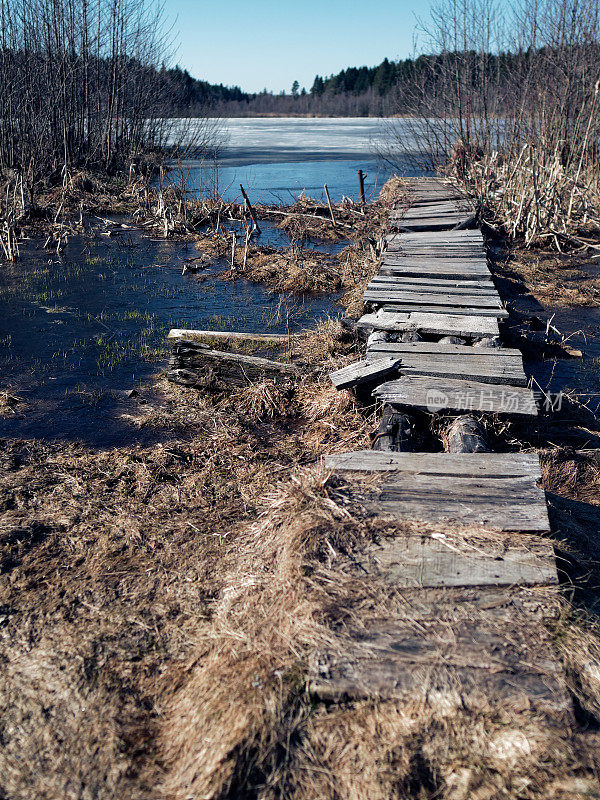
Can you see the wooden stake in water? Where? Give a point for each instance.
(361, 186)
(329, 204)
(250, 209)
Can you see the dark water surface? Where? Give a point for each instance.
(77, 331)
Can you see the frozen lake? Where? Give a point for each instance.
(278, 158)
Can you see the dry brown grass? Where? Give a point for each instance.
(241, 723)
(555, 278)
(110, 566)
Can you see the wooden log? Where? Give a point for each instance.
(183, 333)
(361, 186)
(395, 433)
(330, 206)
(194, 364)
(465, 435)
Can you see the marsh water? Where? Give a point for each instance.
(77, 332)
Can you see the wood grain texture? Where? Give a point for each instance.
(435, 308)
(422, 561)
(471, 465)
(515, 504)
(436, 394)
(363, 372)
(432, 323)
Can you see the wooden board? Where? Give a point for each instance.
(435, 349)
(185, 333)
(195, 364)
(422, 561)
(444, 269)
(363, 372)
(461, 361)
(433, 209)
(487, 371)
(396, 295)
(445, 288)
(437, 237)
(513, 504)
(442, 324)
(465, 465)
(437, 394)
(434, 308)
(444, 222)
(431, 284)
(387, 659)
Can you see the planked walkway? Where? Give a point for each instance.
(455, 632)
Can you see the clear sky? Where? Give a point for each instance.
(270, 43)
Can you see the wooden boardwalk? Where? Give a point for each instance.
(457, 628)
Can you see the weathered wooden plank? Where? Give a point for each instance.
(442, 324)
(508, 354)
(486, 370)
(194, 364)
(386, 659)
(434, 308)
(184, 333)
(446, 222)
(447, 237)
(441, 268)
(514, 504)
(436, 394)
(492, 375)
(473, 465)
(433, 208)
(422, 561)
(446, 290)
(363, 372)
(433, 283)
(392, 295)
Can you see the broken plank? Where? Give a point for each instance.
(194, 364)
(363, 372)
(437, 394)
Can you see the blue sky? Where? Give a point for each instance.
(266, 43)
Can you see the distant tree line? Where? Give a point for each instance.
(390, 88)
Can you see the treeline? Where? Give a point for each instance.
(387, 89)
(80, 86)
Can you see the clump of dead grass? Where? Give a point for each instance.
(394, 192)
(554, 278)
(260, 400)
